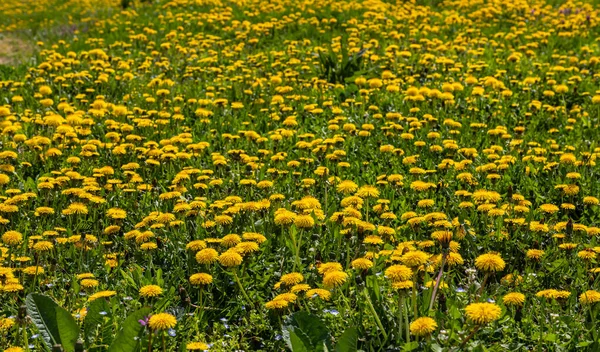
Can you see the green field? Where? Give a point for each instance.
(254, 175)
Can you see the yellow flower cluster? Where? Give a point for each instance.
(261, 158)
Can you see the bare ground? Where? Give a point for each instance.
(14, 49)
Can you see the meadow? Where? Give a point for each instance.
(332, 175)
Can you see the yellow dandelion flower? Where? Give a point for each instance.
(414, 258)
(334, 278)
(299, 288)
(398, 273)
(201, 279)
(535, 254)
(89, 283)
(196, 346)
(304, 221)
(347, 187)
(490, 262)
(276, 304)
(43, 246)
(367, 191)
(514, 299)
(423, 326)
(318, 292)
(162, 321)
(324, 268)
(483, 313)
(402, 285)
(230, 259)
(292, 279)
(101, 294)
(14, 349)
(207, 256)
(589, 297)
(12, 238)
(150, 291)
(362, 264)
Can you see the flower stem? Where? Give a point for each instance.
(237, 280)
(485, 278)
(150, 341)
(347, 308)
(400, 315)
(462, 345)
(8, 258)
(414, 294)
(405, 310)
(293, 238)
(23, 326)
(594, 331)
(37, 267)
(437, 281)
(297, 259)
(200, 303)
(347, 252)
(375, 315)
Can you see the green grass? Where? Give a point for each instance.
(203, 119)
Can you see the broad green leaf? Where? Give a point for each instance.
(348, 341)
(126, 341)
(410, 346)
(309, 329)
(293, 341)
(93, 318)
(55, 324)
(101, 348)
(436, 348)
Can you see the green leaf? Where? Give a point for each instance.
(454, 312)
(56, 325)
(557, 265)
(97, 349)
(93, 318)
(159, 279)
(479, 348)
(436, 348)
(410, 346)
(348, 342)
(309, 329)
(165, 300)
(585, 343)
(125, 341)
(128, 278)
(293, 341)
(373, 287)
(30, 184)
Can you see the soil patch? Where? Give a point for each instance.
(14, 49)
